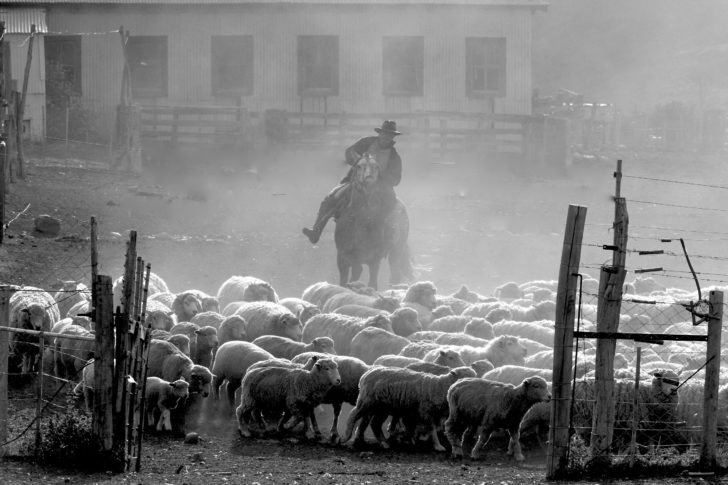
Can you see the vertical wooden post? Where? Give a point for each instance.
(175, 124)
(94, 255)
(39, 387)
(611, 282)
(102, 425)
(21, 105)
(5, 294)
(712, 375)
(635, 404)
(556, 458)
(3, 182)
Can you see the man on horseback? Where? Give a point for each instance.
(381, 147)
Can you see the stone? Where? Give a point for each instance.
(47, 225)
(192, 438)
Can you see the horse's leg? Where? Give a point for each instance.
(343, 265)
(356, 270)
(373, 273)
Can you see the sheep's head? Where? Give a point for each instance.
(200, 379)
(449, 358)
(307, 312)
(290, 326)
(422, 292)
(210, 304)
(182, 342)
(32, 317)
(159, 319)
(481, 367)
(536, 389)
(405, 321)
(234, 327)
(545, 310)
(386, 303)
(509, 349)
(186, 305)
(330, 369)
(498, 314)
(323, 344)
(260, 291)
(207, 337)
(379, 321)
(442, 311)
(180, 388)
(509, 291)
(464, 293)
(479, 327)
(461, 373)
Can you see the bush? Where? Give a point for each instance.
(67, 441)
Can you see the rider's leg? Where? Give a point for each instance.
(329, 207)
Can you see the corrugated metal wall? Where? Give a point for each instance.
(275, 29)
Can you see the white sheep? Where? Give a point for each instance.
(419, 349)
(379, 302)
(421, 296)
(371, 343)
(71, 355)
(285, 348)
(319, 292)
(341, 328)
(481, 406)
(70, 293)
(208, 319)
(186, 305)
(303, 309)
(163, 396)
(269, 318)
(290, 393)
(245, 288)
(390, 360)
(425, 336)
(409, 395)
(156, 285)
(515, 374)
(460, 338)
(530, 330)
(31, 308)
(231, 362)
(500, 351)
(232, 328)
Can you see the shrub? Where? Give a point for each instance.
(67, 441)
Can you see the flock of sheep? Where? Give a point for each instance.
(457, 366)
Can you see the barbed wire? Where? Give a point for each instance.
(680, 182)
(634, 201)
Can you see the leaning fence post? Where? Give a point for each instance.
(102, 425)
(558, 444)
(712, 375)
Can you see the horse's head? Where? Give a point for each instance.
(367, 171)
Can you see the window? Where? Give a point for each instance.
(232, 65)
(485, 62)
(318, 65)
(147, 56)
(63, 64)
(404, 65)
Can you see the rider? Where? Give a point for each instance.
(381, 147)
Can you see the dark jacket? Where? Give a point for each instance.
(393, 173)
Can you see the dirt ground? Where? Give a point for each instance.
(480, 221)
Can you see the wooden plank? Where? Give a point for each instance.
(708, 461)
(102, 424)
(641, 337)
(558, 443)
(5, 293)
(201, 123)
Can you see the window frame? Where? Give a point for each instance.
(144, 44)
(317, 48)
(76, 65)
(493, 57)
(392, 55)
(220, 49)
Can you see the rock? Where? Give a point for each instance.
(192, 438)
(48, 225)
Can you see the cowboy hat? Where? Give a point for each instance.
(388, 127)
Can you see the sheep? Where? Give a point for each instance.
(245, 288)
(206, 346)
(359, 311)
(460, 339)
(448, 358)
(79, 308)
(429, 368)
(350, 369)
(169, 363)
(232, 328)
(165, 298)
(231, 308)
(418, 349)
(531, 346)
(500, 351)
(190, 330)
(182, 342)
(481, 367)
(71, 355)
(208, 319)
(396, 360)
(318, 293)
(285, 348)
(164, 396)
(536, 422)
(508, 291)
(156, 285)
(405, 322)
(482, 406)
(186, 305)
(481, 328)
(209, 303)
(379, 302)
(294, 393)
(452, 323)
(372, 342)
(279, 362)
(341, 328)
(31, 309)
(442, 311)
(529, 330)
(158, 315)
(301, 308)
(70, 293)
(413, 396)
(231, 362)
(421, 296)
(482, 309)
(269, 318)
(515, 374)
(425, 336)
(85, 386)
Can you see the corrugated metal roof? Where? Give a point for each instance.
(493, 3)
(19, 20)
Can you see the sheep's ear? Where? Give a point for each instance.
(198, 331)
(25, 310)
(443, 353)
(526, 383)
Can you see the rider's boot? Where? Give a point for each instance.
(329, 207)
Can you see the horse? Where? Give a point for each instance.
(365, 234)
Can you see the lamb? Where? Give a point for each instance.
(232, 328)
(395, 360)
(231, 362)
(515, 374)
(269, 318)
(186, 305)
(482, 405)
(421, 296)
(413, 396)
(31, 309)
(182, 342)
(70, 293)
(208, 319)
(371, 343)
(290, 392)
(206, 347)
(529, 330)
(164, 396)
(379, 302)
(71, 355)
(318, 293)
(350, 369)
(500, 351)
(85, 386)
(245, 288)
(341, 328)
(285, 348)
(536, 423)
(301, 308)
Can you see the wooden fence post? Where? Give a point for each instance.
(558, 443)
(102, 426)
(21, 105)
(5, 294)
(611, 282)
(712, 374)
